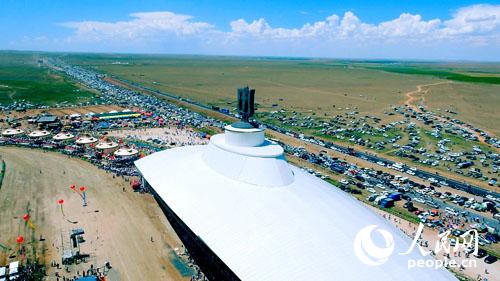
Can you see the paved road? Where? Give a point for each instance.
(476, 190)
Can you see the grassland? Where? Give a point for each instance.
(472, 102)
(320, 87)
(301, 85)
(21, 79)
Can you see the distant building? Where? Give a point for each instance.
(48, 121)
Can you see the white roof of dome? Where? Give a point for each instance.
(264, 165)
(38, 134)
(12, 132)
(126, 151)
(268, 220)
(86, 140)
(106, 145)
(63, 136)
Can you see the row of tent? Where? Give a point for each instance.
(82, 140)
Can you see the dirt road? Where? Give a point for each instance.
(422, 90)
(126, 228)
(410, 96)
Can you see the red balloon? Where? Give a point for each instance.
(60, 201)
(20, 239)
(82, 188)
(72, 186)
(26, 217)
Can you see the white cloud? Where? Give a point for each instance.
(477, 19)
(255, 27)
(141, 26)
(408, 25)
(468, 27)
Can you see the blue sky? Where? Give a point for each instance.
(441, 30)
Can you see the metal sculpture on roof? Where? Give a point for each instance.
(246, 107)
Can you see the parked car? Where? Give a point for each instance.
(412, 209)
(481, 253)
(3, 273)
(372, 197)
(469, 250)
(491, 237)
(490, 259)
(419, 200)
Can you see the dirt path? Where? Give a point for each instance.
(424, 89)
(119, 226)
(411, 99)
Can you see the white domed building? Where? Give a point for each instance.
(244, 213)
(86, 140)
(12, 132)
(107, 146)
(63, 136)
(126, 153)
(38, 134)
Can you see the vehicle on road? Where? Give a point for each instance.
(490, 259)
(419, 200)
(481, 253)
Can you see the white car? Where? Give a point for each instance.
(451, 211)
(13, 270)
(469, 250)
(371, 190)
(419, 200)
(3, 273)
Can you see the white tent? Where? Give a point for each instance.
(39, 134)
(63, 136)
(12, 132)
(83, 140)
(105, 145)
(126, 152)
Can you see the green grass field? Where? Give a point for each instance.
(445, 74)
(22, 79)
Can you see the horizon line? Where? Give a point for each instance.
(290, 57)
